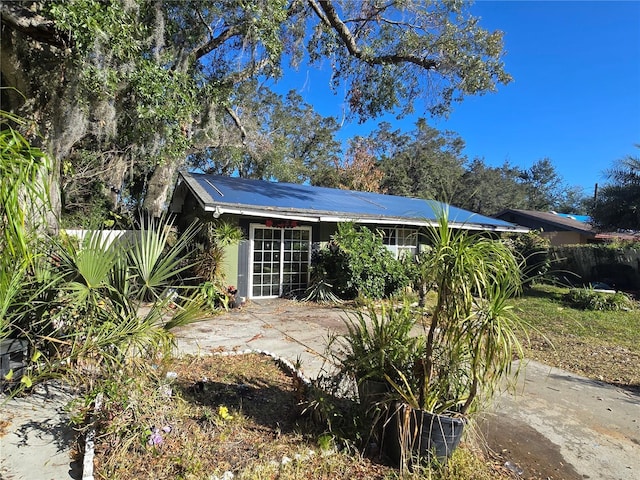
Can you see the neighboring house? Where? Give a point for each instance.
(559, 229)
(282, 222)
(621, 236)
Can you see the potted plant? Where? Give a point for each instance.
(23, 202)
(469, 341)
(378, 345)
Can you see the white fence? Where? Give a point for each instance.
(108, 236)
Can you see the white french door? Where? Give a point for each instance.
(280, 260)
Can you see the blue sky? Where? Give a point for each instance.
(575, 98)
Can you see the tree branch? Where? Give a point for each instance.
(247, 73)
(330, 16)
(204, 22)
(236, 120)
(318, 11)
(20, 18)
(215, 42)
(232, 31)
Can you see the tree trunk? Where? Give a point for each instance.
(58, 120)
(160, 184)
(115, 170)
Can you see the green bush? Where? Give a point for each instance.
(534, 251)
(356, 263)
(590, 299)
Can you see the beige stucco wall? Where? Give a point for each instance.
(230, 264)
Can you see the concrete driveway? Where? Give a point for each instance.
(555, 426)
(289, 329)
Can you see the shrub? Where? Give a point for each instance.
(356, 263)
(533, 249)
(90, 307)
(590, 299)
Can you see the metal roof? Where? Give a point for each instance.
(233, 195)
(560, 222)
(580, 218)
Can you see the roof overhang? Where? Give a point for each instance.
(333, 217)
(560, 223)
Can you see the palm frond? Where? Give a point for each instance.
(154, 262)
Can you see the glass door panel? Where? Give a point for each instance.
(280, 261)
(266, 263)
(297, 246)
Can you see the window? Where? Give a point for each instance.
(280, 260)
(400, 241)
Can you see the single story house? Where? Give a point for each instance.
(559, 229)
(283, 222)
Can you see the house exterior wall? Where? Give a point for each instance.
(260, 209)
(241, 265)
(231, 264)
(324, 232)
(242, 269)
(564, 238)
(238, 265)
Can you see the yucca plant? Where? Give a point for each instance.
(320, 290)
(469, 341)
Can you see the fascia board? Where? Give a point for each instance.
(356, 219)
(260, 213)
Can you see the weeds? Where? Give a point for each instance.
(235, 418)
(590, 299)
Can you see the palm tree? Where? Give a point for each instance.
(617, 205)
(627, 170)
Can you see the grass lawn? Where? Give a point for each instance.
(604, 345)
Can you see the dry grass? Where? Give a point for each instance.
(238, 414)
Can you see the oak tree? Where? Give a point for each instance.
(126, 90)
(423, 163)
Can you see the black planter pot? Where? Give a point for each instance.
(372, 392)
(411, 434)
(373, 395)
(13, 357)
